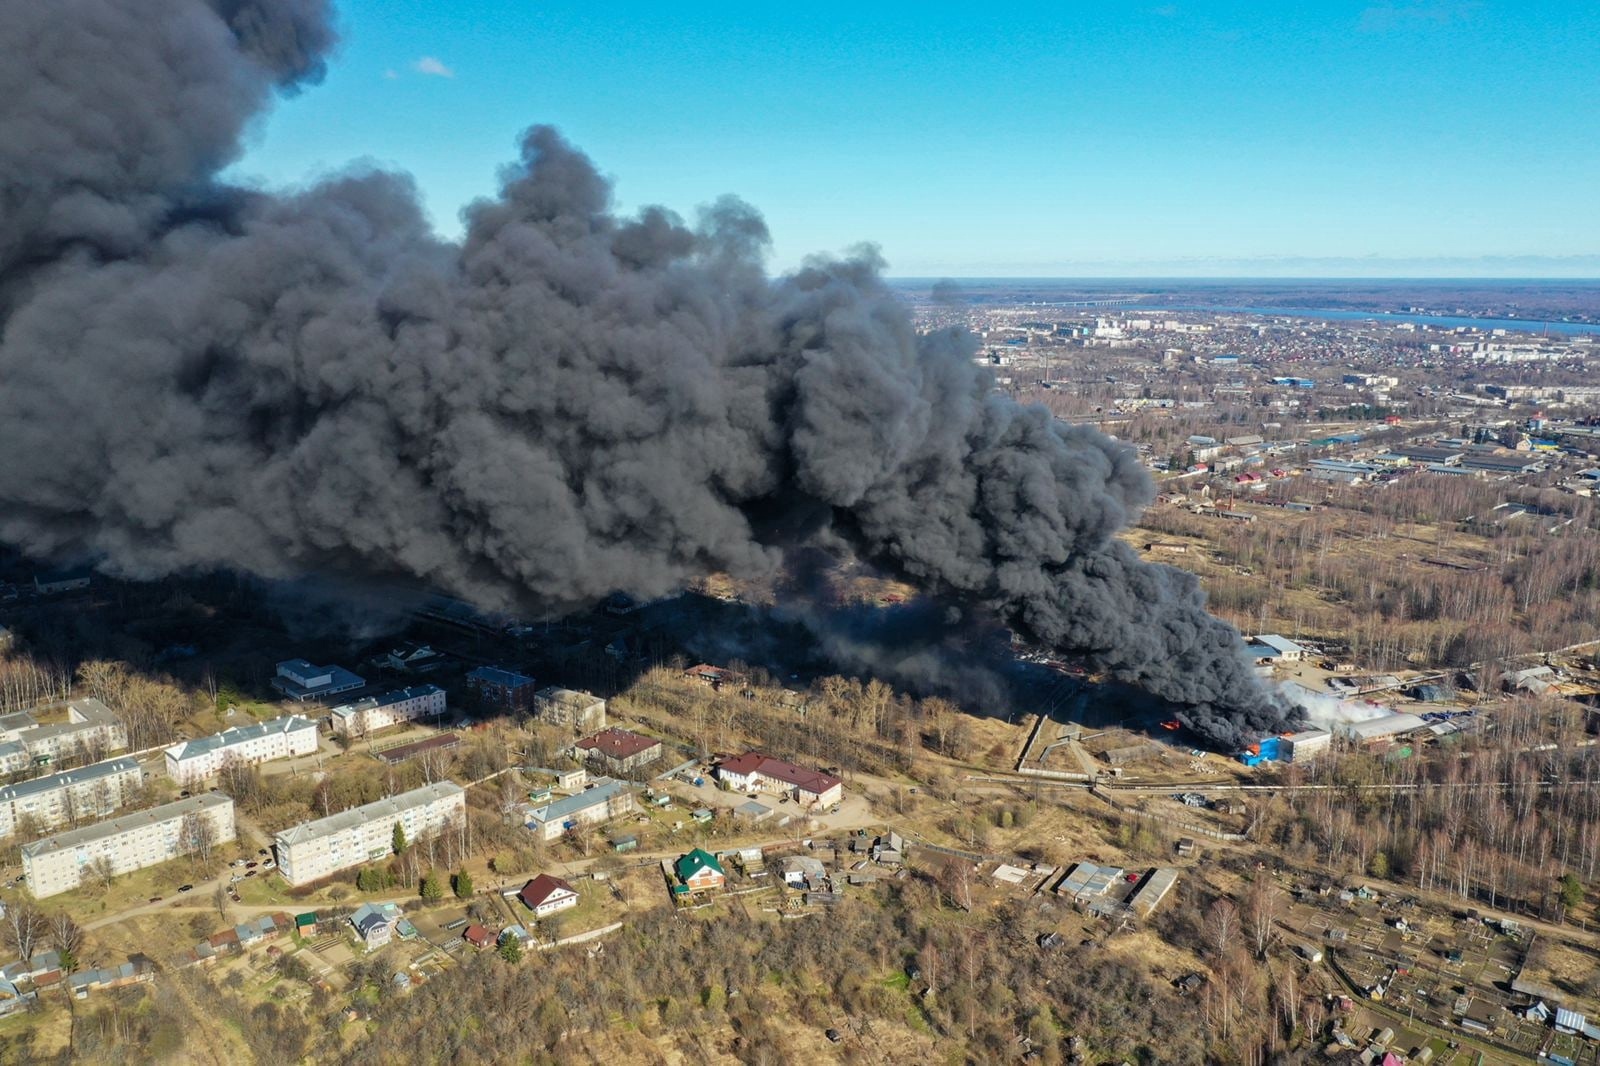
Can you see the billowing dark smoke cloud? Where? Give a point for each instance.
(566, 404)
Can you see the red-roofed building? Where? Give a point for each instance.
(715, 676)
(756, 772)
(545, 895)
(619, 750)
(479, 937)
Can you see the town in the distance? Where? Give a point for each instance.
(265, 819)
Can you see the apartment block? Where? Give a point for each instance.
(126, 843)
(92, 791)
(581, 711)
(505, 689)
(313, 850)
(379, 712)
(79, 727)
(281, 738)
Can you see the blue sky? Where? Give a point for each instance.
(1387, 138)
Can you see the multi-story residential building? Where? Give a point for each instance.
(580, 711)
(379, 712)
(313, 850)
(603, 800)
(505, 689)
(618, 750)
(89, 729)
(92, 791)
(281, 738)
(301, 681)
(126, 843)
(763, 773)
(14, 758)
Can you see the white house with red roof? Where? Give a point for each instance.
(756, 772)
(545, 895)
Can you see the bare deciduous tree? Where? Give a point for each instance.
(1221, 926)
(24, 928)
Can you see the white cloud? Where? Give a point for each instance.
(391, 74)
(432, 67)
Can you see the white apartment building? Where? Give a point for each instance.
(130, 842)
(281, 738)
(313, 850)
(379, 712)
(88, 727)
(92, 791)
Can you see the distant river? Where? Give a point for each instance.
(1524, 325)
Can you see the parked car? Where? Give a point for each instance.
(155, 899)
(185, 888)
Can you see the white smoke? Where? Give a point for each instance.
(1325, 711)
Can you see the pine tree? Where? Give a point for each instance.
(432, 890)
(511, 949)
(462, 883)
(399, 839)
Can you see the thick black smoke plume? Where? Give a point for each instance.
(568, 403)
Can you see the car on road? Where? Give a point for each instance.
(155, 899)
(185, 888)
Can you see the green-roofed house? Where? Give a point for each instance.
(306, 924)
(699, 871)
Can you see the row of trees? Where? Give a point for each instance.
(1520, 587)
(1503, 821)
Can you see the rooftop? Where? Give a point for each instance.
(386, 809)
(51, 782)
(388, 699)
(618, 743)
(559, 810)
(494, 675)
(75, 838)
(541, 888)
(194, 749)
(755, 762)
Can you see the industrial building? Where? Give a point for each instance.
(281, 738)
(1305, 745)
(580, 711)
(1272, 646)
(92, 791)
(380, 712)
(1088, 881)
(756, 772)
(126, 843)
(1382, 727)
(313, 850)
(1152, 890)
(606, 798)
(301, 681)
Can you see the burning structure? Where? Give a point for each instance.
(565, 405)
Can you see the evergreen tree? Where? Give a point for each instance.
(399, 838)
(432, 890)
(462, 883)
(511, 949)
